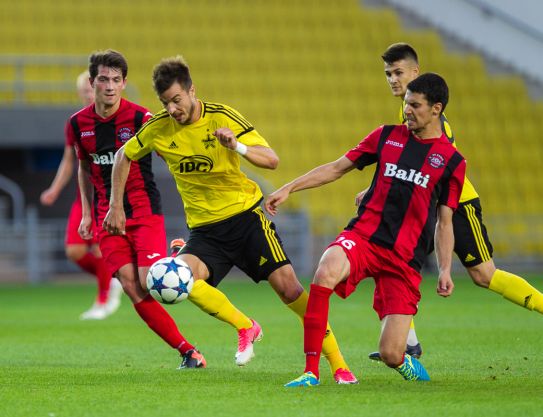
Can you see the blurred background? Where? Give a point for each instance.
(307, 74)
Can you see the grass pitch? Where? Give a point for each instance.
(483, 353)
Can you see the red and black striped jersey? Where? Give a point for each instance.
(96, 140)
(412, 177)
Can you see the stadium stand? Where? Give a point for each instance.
(308, 74)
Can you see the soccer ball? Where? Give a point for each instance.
(169, 280)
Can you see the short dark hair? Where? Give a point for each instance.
(171, 70)
(399, 51)
(433, 86)
(108, 58)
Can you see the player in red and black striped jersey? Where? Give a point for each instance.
(416, 186)
(98, 131)
(472, 243)
(84, 253)
(97, 141)
(398, 217)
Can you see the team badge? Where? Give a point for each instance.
(124, 134)
(436, 160)
(209, 141)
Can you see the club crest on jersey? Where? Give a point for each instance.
(436, 160)
(416, 177)
(124, 134)
(209, 141)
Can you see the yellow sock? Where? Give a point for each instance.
(516, 290)
(412, 339)
(330, 348)
(216, 304)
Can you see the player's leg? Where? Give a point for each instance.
(158, 319)
(413, 347)
(211, 300)
(392, 345)
(474, 249)
(115, 291)
(78, 251)
(145, 241)
(215, 303)
(512, 287)
(333, 268)
(285, 283)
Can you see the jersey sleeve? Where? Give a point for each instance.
(242, 128)
(72, 140)
(365, 153)
(452, 189)
(69, 139)
(142, 142)
(252, 138)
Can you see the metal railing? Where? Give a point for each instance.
(34, 251)
(20, 86)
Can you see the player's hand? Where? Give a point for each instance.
(48, 197)
(445, 285)
(115, 221)
(359, 197)
(275, 199)
(226, 137)
(85, 228)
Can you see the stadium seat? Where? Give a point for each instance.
(309, 76)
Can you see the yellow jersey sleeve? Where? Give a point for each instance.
(142, 143)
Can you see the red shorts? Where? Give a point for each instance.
(72, 236)
(396, 283)
(143, 244)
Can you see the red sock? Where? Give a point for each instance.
(97, 266)
(315, 319)
(162, 324)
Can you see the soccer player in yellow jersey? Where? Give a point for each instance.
(472, 245)
(202, 144)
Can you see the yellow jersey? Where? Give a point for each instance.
(468, 191)
(208, 175)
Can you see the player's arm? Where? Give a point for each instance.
(85, 188)
(115, 220)
(444, 245)
(62, 177)
(321, 175)
(260, 156)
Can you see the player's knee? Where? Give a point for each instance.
(133, 290)
(324, 277)
(75, 252)
(480, 275)
(287, 286)
(391, 357)
(290, 293)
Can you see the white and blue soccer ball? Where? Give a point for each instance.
(169, 280)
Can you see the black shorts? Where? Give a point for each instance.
(471, 242)
(247, 240)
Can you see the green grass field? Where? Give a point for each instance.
(483, 353)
